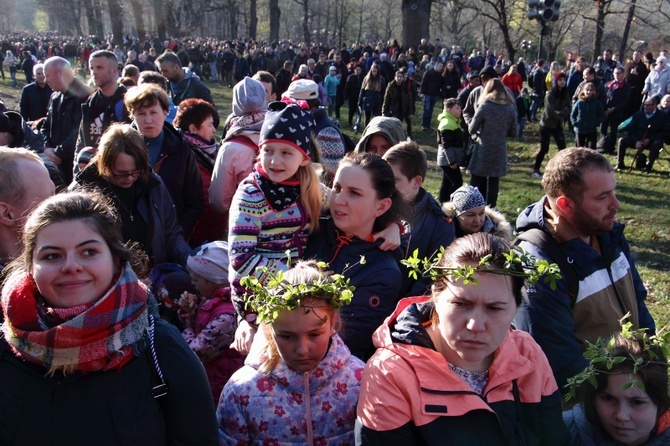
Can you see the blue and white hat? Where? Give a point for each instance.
(288, 124)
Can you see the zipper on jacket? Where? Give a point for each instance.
(616, 291)
(308, 410)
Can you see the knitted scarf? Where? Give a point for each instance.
(279, 196)
(100, 336)
(249, 121)
(204, 151)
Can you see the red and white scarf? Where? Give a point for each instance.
(93, 337)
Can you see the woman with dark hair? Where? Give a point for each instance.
(371, 96)
(557, 109)
(121, 171)
(450, 369)
(84, 358)
(627, 403)
(363, 201)
(195, 118)
(451, 81)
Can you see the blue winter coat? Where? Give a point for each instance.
(587, 115)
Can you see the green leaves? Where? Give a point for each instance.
(518, 263)
(271, 293)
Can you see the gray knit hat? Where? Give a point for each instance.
(210, 261)
(466, 198)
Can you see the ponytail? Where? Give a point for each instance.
(311, 196)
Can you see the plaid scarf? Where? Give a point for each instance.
(100, 337)
(205, 151)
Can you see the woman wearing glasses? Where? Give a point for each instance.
(121, 171)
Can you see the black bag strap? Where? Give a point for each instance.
(159, 387)
(548, 245)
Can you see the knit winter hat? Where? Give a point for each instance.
(290, 124)
(210, 261)
(302, 89)
(489, 71)
(248, 97)
(560, 75)
(466, 198)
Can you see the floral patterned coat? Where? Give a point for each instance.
(276, 409)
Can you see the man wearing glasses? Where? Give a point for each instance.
(618, 94)
(646, 130)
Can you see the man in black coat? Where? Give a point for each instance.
(34, 101)
(646, 130)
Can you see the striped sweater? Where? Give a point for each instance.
(260, 236)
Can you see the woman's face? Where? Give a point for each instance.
(450, 66)
(150, 120)
(354, 205)
(281, 161)
(72, 264)
(302, 336)
(472, 220)
(378, 144)
(124, 171)
(627, 415)
(206, 130)
(474, 320)
(589, 92)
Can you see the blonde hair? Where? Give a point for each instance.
(373, 83)
(307, 272)
(495, 91)
(311, 196)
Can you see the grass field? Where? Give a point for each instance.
(644, 206)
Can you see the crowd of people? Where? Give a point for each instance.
(173, 276)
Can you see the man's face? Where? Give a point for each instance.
(637, 56)
(55, 79)
(474, 82)
(618, 74)
(269, 95)
(649, 106)
(607, 55)
(596, 213)
(581, 65)
(39, 77)
(589, 76)
(171, 71)
(103, 71)
(438, 67)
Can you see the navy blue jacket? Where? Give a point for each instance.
(377, 282)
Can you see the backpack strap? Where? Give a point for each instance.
(159, 387)
(545, 242)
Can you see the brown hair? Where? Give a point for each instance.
(409, 157)
(144, 96)
(122, 138)
(564, 174)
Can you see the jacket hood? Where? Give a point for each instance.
(391, 128)
(248, 96)
(16, 126)
(532, 216)
(495, 223)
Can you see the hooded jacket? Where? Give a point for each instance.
(609, 287)
(277, 408)
(450, 139)
(494, 222)
(587, 115)
(189, 87)
(583, 433)
(155, 206)
(378, 282)
(390, 128)
(409, 395)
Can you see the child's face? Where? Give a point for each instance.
(455, 110)
(523, 93)
(281, 161)
(589, 92)
(203, 286)
(408, 187)
(302, 336)
(627, 415)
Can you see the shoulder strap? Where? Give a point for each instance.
(159, 387)
(548, 244)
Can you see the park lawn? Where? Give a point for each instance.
(644, 206)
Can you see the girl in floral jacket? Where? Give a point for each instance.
(303, 384)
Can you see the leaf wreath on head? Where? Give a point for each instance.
(273, 293)
(518, 263)
(606, 354)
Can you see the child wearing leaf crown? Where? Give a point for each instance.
(303, 386)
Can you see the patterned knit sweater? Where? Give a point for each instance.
(260, 236)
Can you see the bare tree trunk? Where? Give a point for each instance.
(626, 30)
(116, 17)
(415, 21)
(275, 15)
(159, 18)
(138, 12)
(253, 18)
(305, 22)
(600, 29)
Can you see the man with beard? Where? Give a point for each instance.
(574, 225)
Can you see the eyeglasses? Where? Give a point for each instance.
(125, 175)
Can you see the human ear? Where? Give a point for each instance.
(383, 205)
(565, 205)
(192, 128)
(7, 214)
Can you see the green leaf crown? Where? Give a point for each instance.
(518, 263)
(269, 293)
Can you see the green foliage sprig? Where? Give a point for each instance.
(269, 294)
(603, 352)
(531, 268)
